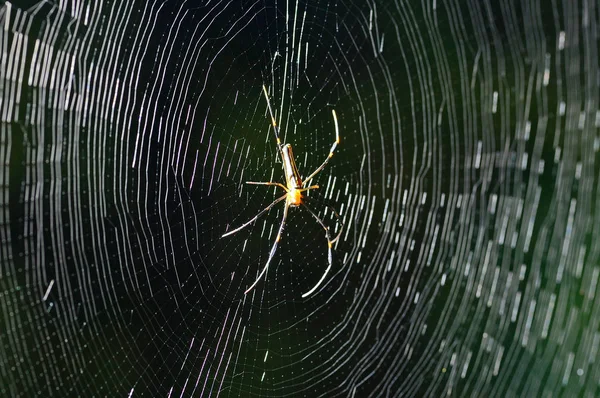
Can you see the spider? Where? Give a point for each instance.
(294, 196)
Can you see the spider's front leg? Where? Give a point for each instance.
(329, 255)
(266, 209)
(273, 249)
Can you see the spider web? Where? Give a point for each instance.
(466, 179)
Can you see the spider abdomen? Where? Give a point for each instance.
(292, 177)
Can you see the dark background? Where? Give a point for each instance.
(466, 178)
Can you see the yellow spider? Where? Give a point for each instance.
(294, 196)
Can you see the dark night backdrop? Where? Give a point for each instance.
(466, 177)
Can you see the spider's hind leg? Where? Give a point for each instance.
(331, 151)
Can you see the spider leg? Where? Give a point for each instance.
(335, 143)
(339, 219)
(255, 217)
(329, 256)
(337, 216)
(273, 121)
(273, 249)
(267, 183)
(308, 188)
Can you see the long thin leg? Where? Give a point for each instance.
(267, 183)
(273, 121)
(329, 256)
(308, 188)
(338, 217)
(337, 141)
(255, 217)
(273, 249)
